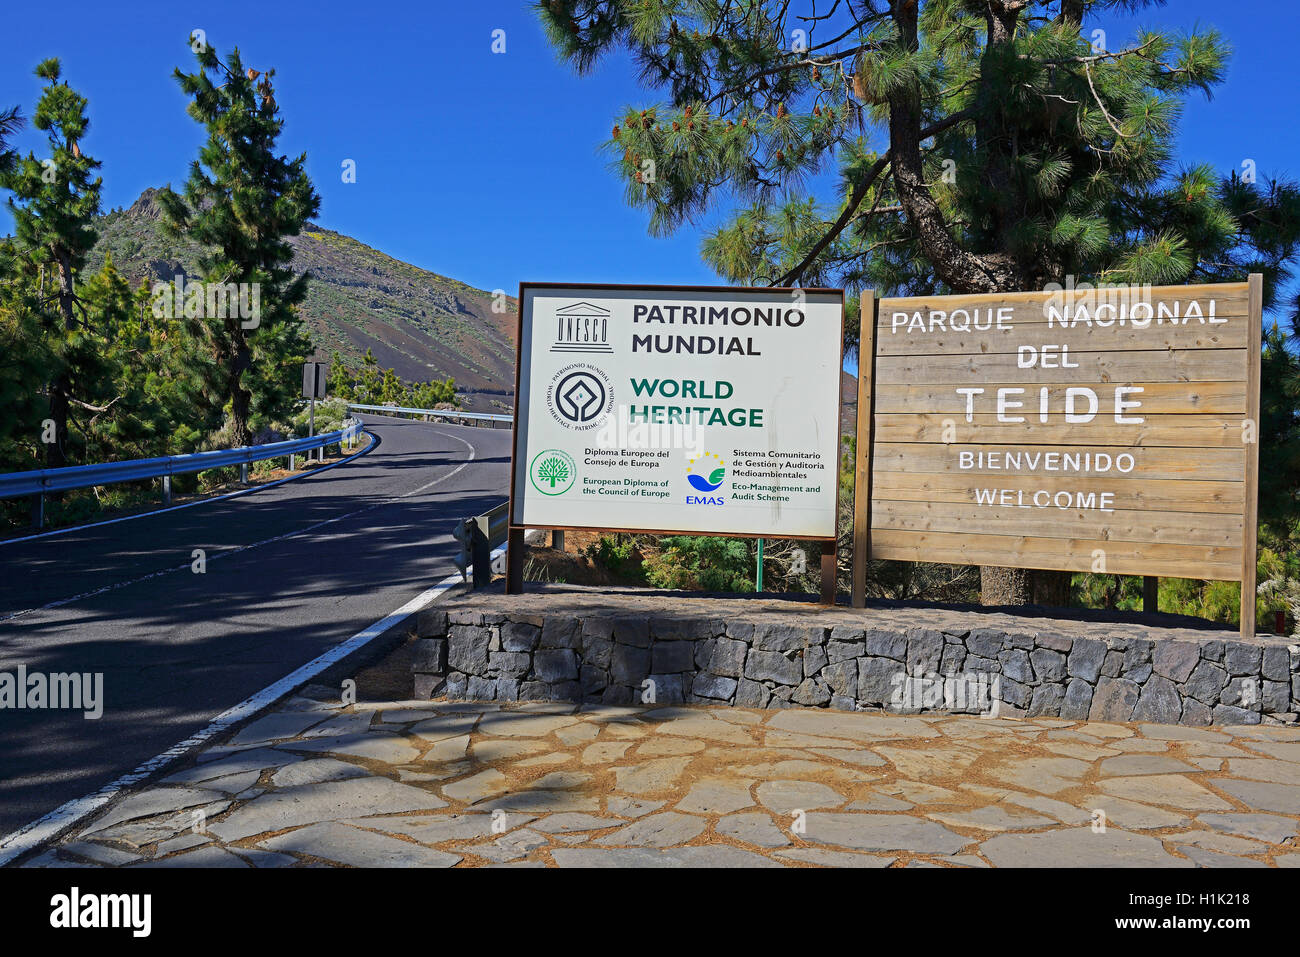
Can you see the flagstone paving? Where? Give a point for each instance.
(465, 784)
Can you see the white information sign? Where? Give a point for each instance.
(697, 410)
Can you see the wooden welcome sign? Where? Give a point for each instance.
(1111, 430)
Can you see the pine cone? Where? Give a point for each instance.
(676, 126)
(616, 131)
(781, 111)
(689, 112)
(780, 156)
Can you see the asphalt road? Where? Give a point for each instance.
(291, 572)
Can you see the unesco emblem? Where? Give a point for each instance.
(580, 396)
(582, 327)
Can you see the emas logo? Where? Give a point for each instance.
(706, 474)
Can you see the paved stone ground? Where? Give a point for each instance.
(438, 783)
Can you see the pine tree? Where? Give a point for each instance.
(241, 201)
(54, 203)
(1014, 153)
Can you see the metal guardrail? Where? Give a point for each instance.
(440, 413)
(478, 537)
(40, 482)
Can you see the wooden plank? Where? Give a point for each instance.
(1119, 525)
(864, 472)
(1180, 365)
(829, 572)
(1079, 555)
(1208, 465)
(1167, 398)
(1250, 513)
(1166, 431)
(1131, 491)
(1231, 299)
(1231, 334)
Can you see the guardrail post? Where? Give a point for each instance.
(243, 473)
(167, 489)
(38, 511)
(291, 462)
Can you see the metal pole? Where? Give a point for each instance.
(311, 424)
(758, 579)
(290, 461)
(167, 489)
(38, 511)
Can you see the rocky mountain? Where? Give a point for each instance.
(421, 324)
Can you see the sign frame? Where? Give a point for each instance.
(515, 535)
(868, 390)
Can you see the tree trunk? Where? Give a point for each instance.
(56, 455)
(240, 397)
(1024, 586)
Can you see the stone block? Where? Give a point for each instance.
(510, 664)
(924, 650)
(1159, 702)
(597, 651)
(1276, 665)
(1085, 659)
(1047, 700)
(561, 632)
(1240, 658)
(1227, 714)
(714, 687)
(885, 644)
(1175, 659)
(668, 689)
(671, 657)
(1114, 700)
(430, 655)
(728, 657)
(519, 636)
(814, 660)
(431, 623)
(1016, 666)
(751, 694)
(1049, 665)
(1205, 682)
(985, 642)
(555, 664)
(1077, 701)
(773, 666)
(467, 648)
(811, 693)
(877, 679)
(842, 677)
(632, 631)
(628, 665)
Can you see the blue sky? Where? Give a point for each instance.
(480, 166)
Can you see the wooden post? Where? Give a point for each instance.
(862, 471)
(1150, 594)
(828, 573)
(514, 561)
(1250, 438)
(557, 539)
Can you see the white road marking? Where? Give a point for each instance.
(66, 816)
